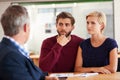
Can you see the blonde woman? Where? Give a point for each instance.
(97, 53)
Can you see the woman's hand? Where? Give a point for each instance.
(101, 70)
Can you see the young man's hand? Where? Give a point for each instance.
(62, 40)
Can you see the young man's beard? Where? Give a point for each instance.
(67, 34)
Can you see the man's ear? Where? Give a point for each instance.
(102, 26)
(73, 27)
(25, 27)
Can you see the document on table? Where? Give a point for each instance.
(72, 74)
(61, 74)
(86, 74)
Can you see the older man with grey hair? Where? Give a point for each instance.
(15, 63)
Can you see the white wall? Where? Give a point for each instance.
(117, 21)
(3, 6)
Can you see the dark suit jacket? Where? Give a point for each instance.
(15, 66)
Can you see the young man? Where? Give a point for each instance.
(15, 63)
(58, 53)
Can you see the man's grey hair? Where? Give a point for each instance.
(13, 19)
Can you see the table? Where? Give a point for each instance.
(35, 59)
(113, 76)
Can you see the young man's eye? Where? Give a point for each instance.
(67, 24)
(60, 24)
(87, 22)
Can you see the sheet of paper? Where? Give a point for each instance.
(61, 74)
(72, 74)
(86, 74)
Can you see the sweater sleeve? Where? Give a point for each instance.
(49, 56)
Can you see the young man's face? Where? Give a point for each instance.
(64, 26)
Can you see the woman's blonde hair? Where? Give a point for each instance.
(100, 15)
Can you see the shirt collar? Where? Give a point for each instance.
(20, 47)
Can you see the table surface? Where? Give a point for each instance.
(113, 76)
(34, 56)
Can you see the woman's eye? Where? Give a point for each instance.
(92, 22)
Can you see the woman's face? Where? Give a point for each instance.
(93, 26)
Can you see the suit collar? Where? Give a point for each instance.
(7, 42)
(15, 45)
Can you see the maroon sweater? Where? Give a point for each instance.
(57, 58)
